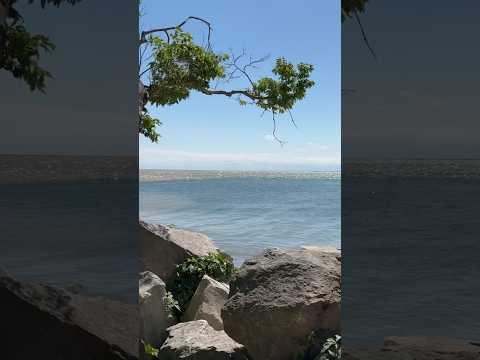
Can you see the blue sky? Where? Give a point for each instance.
(215, 132)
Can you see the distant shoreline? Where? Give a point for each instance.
(53, 169)
(149, 175)
(32, 169)
(396, 168)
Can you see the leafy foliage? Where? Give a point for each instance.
(320, 345)
(150, 350)
(20, 55)
(351, 6)
(332, 349)
(189, 274)
(20, 51)
(147, 125)
(279, 96)
(171, 304)
(14, 15)
(217, 265)
(180, 66)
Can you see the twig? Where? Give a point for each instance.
(291, 119)
(233, 92)
(243, 69)
(281, 142)
(145, 71)
(365, 39)
(142, 54)
(143, 37)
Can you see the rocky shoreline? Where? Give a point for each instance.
(270, 309)
(39, 321)
(279, 305)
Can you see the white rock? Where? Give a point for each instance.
(196, 340)
(155, 318)
(207, 302)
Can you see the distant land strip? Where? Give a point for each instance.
(33, 169)
(444, 168)
(165, 175)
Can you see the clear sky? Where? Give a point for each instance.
(215, 132)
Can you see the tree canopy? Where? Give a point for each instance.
(19, 49)
(178, 66)
(352, 7)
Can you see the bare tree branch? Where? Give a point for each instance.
(165, 30)
(274, 132)
(142, 54)
(254, 98)
(291, 119)
(365, 39)
(242, 69)
(230, 93)
(145, 71)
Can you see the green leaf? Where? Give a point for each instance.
(150, 350)
(189, 274)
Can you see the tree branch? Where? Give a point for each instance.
(230, 93)
(281, 142)
(143, 36)
(292, 119)
(145, 71)
(254, 98)
(364, 35)
(243, 69)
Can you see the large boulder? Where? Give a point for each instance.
(416, 347)
(196, 340)
(155, 317)
(280, 298)
(44, 322)
(162, 248)
(207, 302)
(324, 249)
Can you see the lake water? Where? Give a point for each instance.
(245, 214)
(410, 250)
(84, 233)
(72, 233)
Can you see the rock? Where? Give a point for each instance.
(207, 302)
(278, 299)
(162, 248)
(115, 322)
(196, 340)
(155, 318)
(417, 347)
(327, 249)
(44, 322)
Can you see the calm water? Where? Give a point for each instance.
(78, 233)
(244, 215)
(410, 249)
(410, 254)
